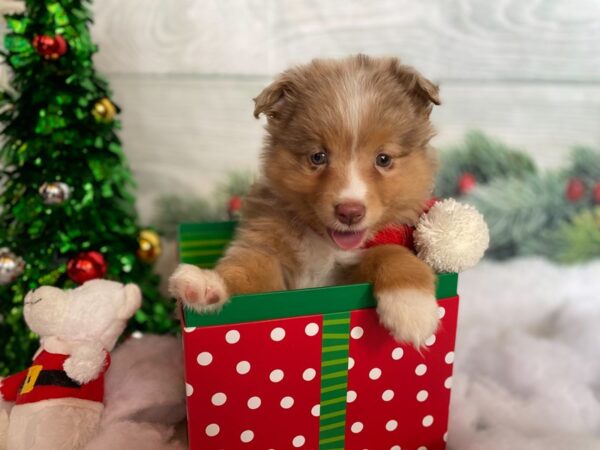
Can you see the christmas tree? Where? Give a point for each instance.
(67, 213)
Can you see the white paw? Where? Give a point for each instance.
(85, 363)
(409, 314)
(202, 290)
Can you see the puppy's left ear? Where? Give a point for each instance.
(423, 91)
(274, 99)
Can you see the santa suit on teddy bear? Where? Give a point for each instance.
(57, 402)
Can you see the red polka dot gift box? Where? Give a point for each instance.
(311, 369)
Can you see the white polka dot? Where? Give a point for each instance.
(189, 329)
(391, 425)
(287, 402)
(422, 447)
(357, 427)
(395, 447)
(277, 334)
(422, 395)
(247, 436)
(397, 353)
(316, 410)
(311, 329)
(218, 399)
(448, 383)
(189, 389)
(309, 374)
(243, 367)
(375, 373)
(298, 441)
(421, 369)
(212, 429)
(449, 358)
(387, 395)
(276, 375)
(254, 402)
(430, 340)
(232, 336)
(351, 396)
(204, 358)
(357, 332)
(350, 363)
(446, 436)
(441, 311)
(427, 421)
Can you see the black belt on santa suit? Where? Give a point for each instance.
(55, 378)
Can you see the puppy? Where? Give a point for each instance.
(346, 153)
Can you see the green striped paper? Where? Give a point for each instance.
(334, 380)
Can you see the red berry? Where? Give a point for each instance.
(466, 183)
(575, 189)
(235, 204)
(596, 195)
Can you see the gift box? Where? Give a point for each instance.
(311, 368)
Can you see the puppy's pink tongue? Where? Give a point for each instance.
(347, 240)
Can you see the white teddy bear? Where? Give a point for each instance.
(58, 400)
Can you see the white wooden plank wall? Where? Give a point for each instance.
(185, 71)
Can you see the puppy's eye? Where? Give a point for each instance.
(383, 160)
(318, 158)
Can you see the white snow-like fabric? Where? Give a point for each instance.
(451, 236)
(527, 367)
(144, 397)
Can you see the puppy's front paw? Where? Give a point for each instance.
(409, 314)
(202, 290)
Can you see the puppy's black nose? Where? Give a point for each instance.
(350, 213)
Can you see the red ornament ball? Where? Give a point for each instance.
(596, 193)
(466, 183)
(50, 47)
(575, 190)
(234, 207)
(86, 266)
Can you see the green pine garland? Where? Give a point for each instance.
(484, 158)
(579, 239)
(50, 135)
(529, 213)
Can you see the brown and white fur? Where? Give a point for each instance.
(325, 188)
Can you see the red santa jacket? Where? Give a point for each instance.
(46, 379)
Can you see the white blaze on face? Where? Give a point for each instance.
(353, 104)
(355, 188)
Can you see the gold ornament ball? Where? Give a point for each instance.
(149, 246)
(11, 266)
(104, 110)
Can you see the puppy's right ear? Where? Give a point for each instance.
(274, 99)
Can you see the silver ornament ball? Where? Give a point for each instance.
(11, 266)
(55, 192)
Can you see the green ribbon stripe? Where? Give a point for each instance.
(334, 380)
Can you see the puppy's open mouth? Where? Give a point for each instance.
(347, 240)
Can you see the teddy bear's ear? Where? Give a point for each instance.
(133, 300)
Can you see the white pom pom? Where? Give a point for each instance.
(451, 236)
